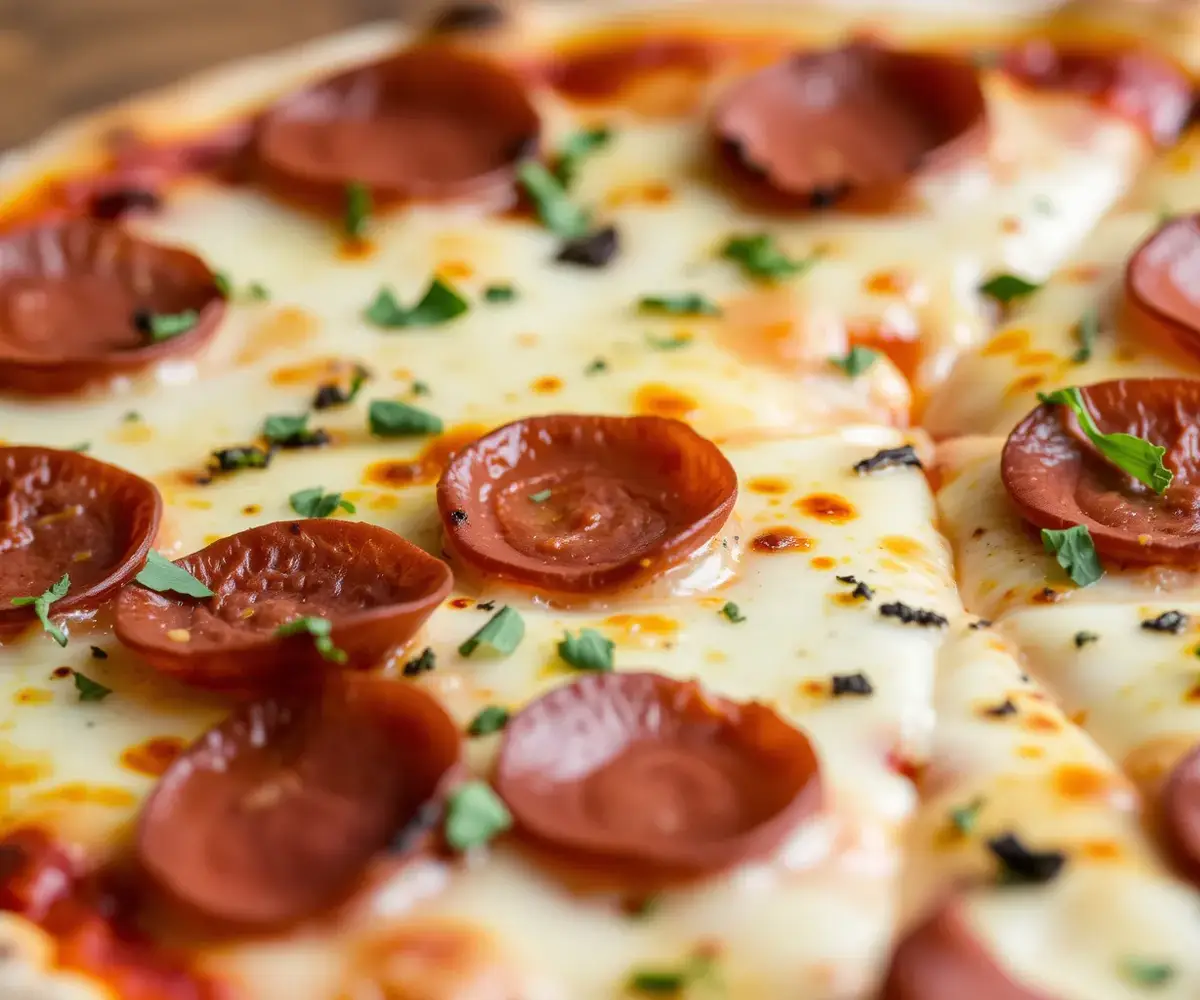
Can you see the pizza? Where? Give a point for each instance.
(567, 502)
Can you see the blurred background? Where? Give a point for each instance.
(59, 57)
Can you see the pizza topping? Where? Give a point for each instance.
(590, 650)
(577, 148)
(82, 302)
(502, 633)
(72, 531)
(760, 259)
(1021, 865)
(941, 958)
(474, 816)
(241, 457)
(90, 690)
(1110, 473)
(315, 502)
(1160, 283)
(499, 293)
(1144, 972)
(732, 612)
(331, 394)
(818, 126)
(392, 418)
(287, 597)
(596, 249)
(859, 684)
(857, 361)
(913, 616)
(440, 304)
(1179, 808)
(674, 982)
(553, 205)
(275, 813)
(161, 575)
(889, 458)
(284, 431)
(489, 720)
(644, 770)
(630, 497)
(965, 818)
(423, 664)
(1006, 288)
(1169, 621)
(1001, 711)
(684, 304)
(1084, 638)
(1087, 331)
(1140, 86)
(468, 15)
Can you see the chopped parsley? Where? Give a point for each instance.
(1004, 288)
(489, 720)
(1086, 330)
(358, 210)
(577, 148)
(760, 258)
(422, 664)
(671, 982)
(255, 291)
(502, 633)
(285, 431)
(474, 815)
(41, 607)
(315, 502)
(684, 304)
(83, 446)
(596, 366)
(590, 650)
(671, 343)
(440, 304)
(857, 361)
(965, 818)
(321, 630)
(1133, 455)
(1142, 972)
(1075, 553)
(549, 196)
(164, 326)
(248, 457)
(332, 394)
(499, 293)
(160, 575)
(541, 496)
(90, 690)
(732, 612)
(391, 418)
(419, 388)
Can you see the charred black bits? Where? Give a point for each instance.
(827, 197)
(249, 457)
(110, 205)
(1021, 866)
(593, 250)
(422, 664)
(143, 321)
(858, 684)
(975, 626)
(98, 653)
(888, 458)
(458, 516)
(294, 528)
(471, 15)
(913, 616)
(862, 591)
(848, 578)
(427, 818)
(1173, 622)
(486, 606)
(1005, 708)
(1083, 638)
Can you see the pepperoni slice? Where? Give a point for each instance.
(276, 812)
(376, 588)
(1180, 814)
(818, 126)
(584, 503)
(78, 300)
(1141, 86)
(431, 123)
(1057, 479)
(64, 513)
(1161, 281)
(941, 959)
(641, 769)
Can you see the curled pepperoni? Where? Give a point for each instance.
(941, 959)
(78, 301)
(818, 126)
(1057, 479)
(276, 812)
(584, 503)
(1180, 814)
(1161, 281)
(1141, 86)
(430, 123)
(373, 586)
(637, 769)
(62, 513)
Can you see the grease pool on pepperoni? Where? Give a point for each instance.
(819, 126)
(654, 777)
(62, 512)
(276, 812)
(584, 503)
(71, 296)
(1057, 479)
(942, 959)
(373, 586)
(1138, 85)
(431, 123)
(1162, 285)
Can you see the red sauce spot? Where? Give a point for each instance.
(768, 485)
(827, 507)
(154, 756)
(462, 603)
(428, 466)
(781, 540)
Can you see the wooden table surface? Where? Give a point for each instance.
(58, 57)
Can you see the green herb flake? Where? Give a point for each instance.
(577, 148)
(321, 630)
(315, 502)
(257, 292)
(672, 982)
(1133, 455)
(222, 284)
(160, 575)
(391, 418)
(857, 361)
(671, 343)
(90, 690)
(419, 388)
(1043, 205)
(41, 607)
(1075, 553)
(164, 326)
(541, 496)
(732, 612)
(1146, 973)
(554, 208)
(489, 720)
(474, 815)
(440, 304)
(686, 304)
(1086, 331)
(965, 818)
(290, 431)
(499, 293)
(82, 446)
(596, 366)
(1004, 288)
(358, 209)
(502, 633)
(590, 650)
(760, 258)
